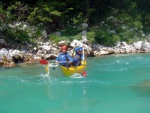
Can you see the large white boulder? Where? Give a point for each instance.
(138, 44)
(76, 43)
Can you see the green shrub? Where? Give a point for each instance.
(70, 31)
(104, 37)
(55, 38)
(18, 35)
(90, 36)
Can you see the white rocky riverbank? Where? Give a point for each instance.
(49, 50)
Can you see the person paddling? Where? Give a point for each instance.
(64, 58)
(78, 56)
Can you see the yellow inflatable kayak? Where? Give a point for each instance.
(71, 70)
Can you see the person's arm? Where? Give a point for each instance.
(69, 58)
(57, 59)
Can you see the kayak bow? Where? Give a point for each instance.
(71, 70)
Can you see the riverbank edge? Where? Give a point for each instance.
(49, 51)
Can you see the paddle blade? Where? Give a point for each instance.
(84, 73)
(43, 62)
(47, 69)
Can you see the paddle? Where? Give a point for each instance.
(44, 62)
(84, 72)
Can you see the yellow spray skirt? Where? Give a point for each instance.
(71, 70)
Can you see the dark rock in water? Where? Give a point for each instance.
(143, 88)
(89, 54)
(18, 59)
(1, 64)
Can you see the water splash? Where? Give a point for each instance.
(76, 75)
(44, 75)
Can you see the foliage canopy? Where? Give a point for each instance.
(57, 15)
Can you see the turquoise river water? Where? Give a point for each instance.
(114, 84)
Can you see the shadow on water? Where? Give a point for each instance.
(143, 88)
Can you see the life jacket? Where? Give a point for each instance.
(63, 57)
(77, 59)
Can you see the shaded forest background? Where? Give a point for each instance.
(130, 19)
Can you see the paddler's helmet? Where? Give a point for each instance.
(64, 48)
(78, 49)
